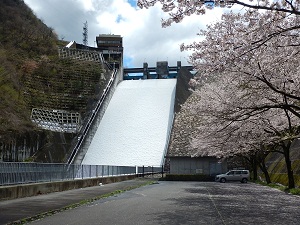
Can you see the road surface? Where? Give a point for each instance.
(187, 203)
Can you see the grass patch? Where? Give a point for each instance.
(282, 178)
(293, 191)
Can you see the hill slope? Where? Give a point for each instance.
(24, 39)
(33, 75)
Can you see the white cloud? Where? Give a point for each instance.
(143, 37)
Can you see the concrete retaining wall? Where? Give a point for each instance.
(27, 190)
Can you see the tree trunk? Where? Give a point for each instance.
(264, 169)
(286, 152)
(251, 159)
(254, 167)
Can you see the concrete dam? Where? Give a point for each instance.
(135, 128)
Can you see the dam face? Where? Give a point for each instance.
(135, 128)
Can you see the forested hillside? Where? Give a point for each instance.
(24, 41)
(33, 74)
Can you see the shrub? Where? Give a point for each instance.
(295, 191)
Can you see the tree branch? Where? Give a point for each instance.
(291, 11)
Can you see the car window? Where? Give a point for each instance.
(230, 173)
(237, 172)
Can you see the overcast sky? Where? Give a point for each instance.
(144, 40)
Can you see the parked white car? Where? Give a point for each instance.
(234, 175)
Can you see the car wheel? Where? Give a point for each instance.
(222, 180)
(244, 180)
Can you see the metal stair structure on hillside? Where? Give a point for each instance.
(88, 131)
(57, 120)
(80, 54)
(60, 109)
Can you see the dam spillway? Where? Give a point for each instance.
(135, 128)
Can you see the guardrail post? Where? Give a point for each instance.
(143, 171)
(50, 173)
(73, 166)
(35, 172)
(81, 171)
(152, 171)
(90, 171)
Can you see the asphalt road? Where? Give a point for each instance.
(187, 203)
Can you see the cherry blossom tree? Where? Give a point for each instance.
(247, 94)
(219, 132)
(259, 61)
(178, 9)
(237, 46)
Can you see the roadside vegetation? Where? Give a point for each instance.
(293, 191)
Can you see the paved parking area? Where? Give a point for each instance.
(188, 203)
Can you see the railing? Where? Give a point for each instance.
(146, 170)
(85, 136)
(169, 131)
(12, 173)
